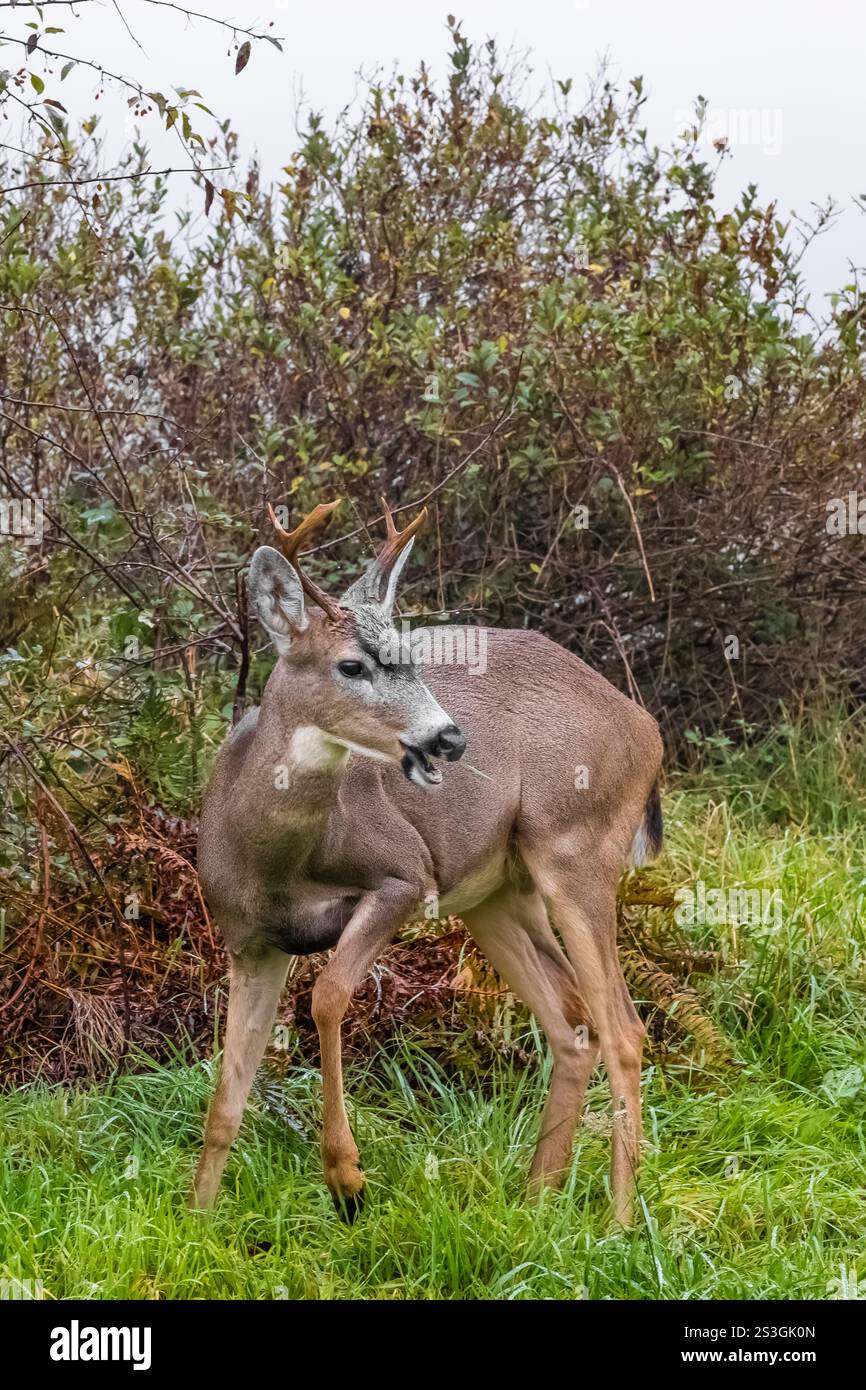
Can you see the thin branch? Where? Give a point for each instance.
(89, 409)
(637, 531)
(122, 17)
(81, 62)
(503, 418)
(55, 521)
(112, 178)
(212, 19)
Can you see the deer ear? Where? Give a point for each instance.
(378, 583)
(392, 579)
(277, 597)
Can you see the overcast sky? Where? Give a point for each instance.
(797, 65)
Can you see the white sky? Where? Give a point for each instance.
(797, 63)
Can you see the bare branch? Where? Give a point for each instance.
(112, 178)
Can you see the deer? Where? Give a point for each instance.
(329, 823)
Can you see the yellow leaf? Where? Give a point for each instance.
(596, 268)
(344, 312)
(122, 769)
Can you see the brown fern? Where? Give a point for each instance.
(677, 1002)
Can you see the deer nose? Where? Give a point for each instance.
(449, 743)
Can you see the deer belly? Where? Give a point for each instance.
(303, 928)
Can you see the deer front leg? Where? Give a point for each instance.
(254, 993)
(374, 923)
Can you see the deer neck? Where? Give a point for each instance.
(288, 787)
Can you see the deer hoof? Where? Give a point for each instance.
(345, 1179)
(349, 1207)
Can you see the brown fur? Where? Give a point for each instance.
(345, 854)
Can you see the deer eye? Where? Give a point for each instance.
(350, 668)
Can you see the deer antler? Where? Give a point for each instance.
(397, 540)
(290, 543)
(373, 585)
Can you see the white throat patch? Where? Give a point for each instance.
(313, 750)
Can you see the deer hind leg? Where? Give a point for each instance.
(254, 993)
(512, 930)
(374, 923)
(581, 900)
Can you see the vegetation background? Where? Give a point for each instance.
(627, 425)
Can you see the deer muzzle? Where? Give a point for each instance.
(417, 765)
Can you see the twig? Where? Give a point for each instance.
(503, 419)
(89, 409)
(112, 178)
(639, 537)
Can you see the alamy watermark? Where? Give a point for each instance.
(435, 646)
(732, 906)
(22, 517)
(77, 1343)
(19, 1290)
(846, 516)
(760, 126)
(847, 1286)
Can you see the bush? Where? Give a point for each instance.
(609, 391)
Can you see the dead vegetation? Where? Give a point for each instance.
(79, 999)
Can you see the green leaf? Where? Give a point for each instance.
(103, 512)
(36, 83)
(123, 624)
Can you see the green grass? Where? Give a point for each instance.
(753, 1181)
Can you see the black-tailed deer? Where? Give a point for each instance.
(327, 824)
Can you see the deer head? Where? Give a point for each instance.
(348, 673)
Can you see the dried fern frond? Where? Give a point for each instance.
(678, 1002)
